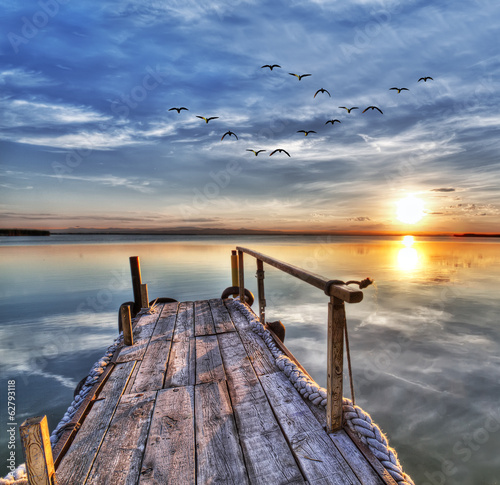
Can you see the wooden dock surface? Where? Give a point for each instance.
(198, 399)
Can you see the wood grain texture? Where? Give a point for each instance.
(203, 321)
(166, 322)
(120, 457)
(318, 457)
(170, 449)
(181, 368)
(260, 356)
(151, 374)
(221, 318)
(184, 325)
(77, 462)
(35, 440)
(209, 366)
(219, 455)
(335, 364)
(267, 455)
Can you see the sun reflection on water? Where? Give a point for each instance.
(408, 257)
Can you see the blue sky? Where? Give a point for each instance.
(87, 138)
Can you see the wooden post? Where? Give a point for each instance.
(128, 336)
(241, 276)
(37, 451)
(335, 364)
(144, 296)
(135, 269)
(260, 291)
(234, 268)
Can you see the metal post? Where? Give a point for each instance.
(260, 290)
(335, 363)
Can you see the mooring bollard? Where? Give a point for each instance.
(144, 296)
(135, 269)
(128, 336)
(35, 439)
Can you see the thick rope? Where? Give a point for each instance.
(357, 420)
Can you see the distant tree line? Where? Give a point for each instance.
(23, 232)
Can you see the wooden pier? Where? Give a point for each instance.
(198, 398)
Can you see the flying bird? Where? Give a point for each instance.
(306, 132)
(207, 119)
(256, 152)
(230, 133)
(372, 108)
(269, 66)
(322, 91)
(178, 109)
(299, 76)
(348, 109)
(399, 89)
(425, 79)
(333, 121)
(279, 150)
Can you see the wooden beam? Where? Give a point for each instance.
(35, 439)
(234, 268)
(331, 287)
(241, 276)
(335, 363)
(144, 296)
(135, 269)
(128, 336)
(260, 291)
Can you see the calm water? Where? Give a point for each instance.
(425, 341)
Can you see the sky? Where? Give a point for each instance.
(88, 138)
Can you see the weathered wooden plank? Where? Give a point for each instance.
(35, 439)
(262, 360)
(208, 360)
(143, 329)
(184, 325)
(170, 449)
(153, 366)
(165, 325)
(181, 368)
(120, 456)
(203, 321)
(357, 461)
(219, 455)
(221, 318)
(77, 462)
(267, 455)
(312, 447)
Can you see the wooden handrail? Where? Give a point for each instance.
(331, 287)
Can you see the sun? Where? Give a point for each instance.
(410, 210)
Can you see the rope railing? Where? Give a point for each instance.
(339, 293)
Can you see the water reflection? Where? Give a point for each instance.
(408, 257)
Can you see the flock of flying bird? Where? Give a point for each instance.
(229, 133)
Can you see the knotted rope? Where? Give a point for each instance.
(356, 419)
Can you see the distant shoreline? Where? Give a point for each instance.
(471, 234)
(23, 232)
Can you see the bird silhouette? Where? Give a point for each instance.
(207, 119)
(333, 121)
(425, 79)
(270, 66)
(399, 89)
(230, 133)
(372, 108)
(256, 152)
(300, 76)
(178, 109)
(279, 150)
(306, 132)
(322, 91)
(348, 109)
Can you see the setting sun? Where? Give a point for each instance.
(410, 210)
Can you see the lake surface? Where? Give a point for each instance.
(425, 341)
